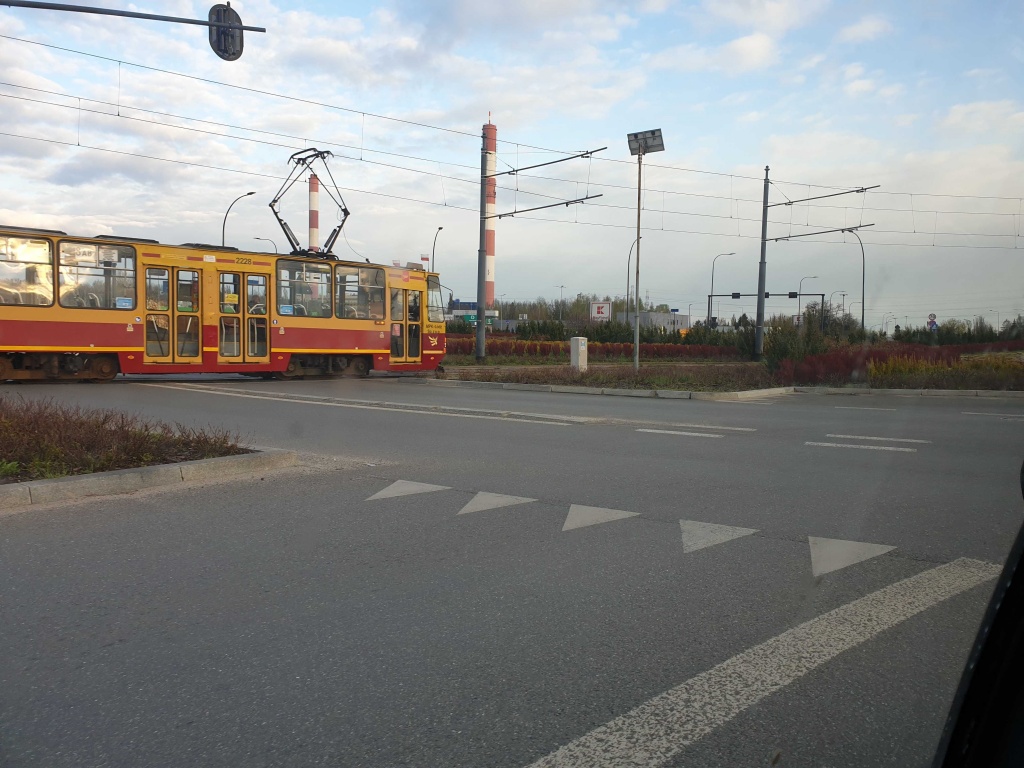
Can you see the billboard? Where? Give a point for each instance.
(601, 310)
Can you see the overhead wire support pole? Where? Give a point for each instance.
(759, 324)
(126, 14)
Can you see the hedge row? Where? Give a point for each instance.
(459, 345)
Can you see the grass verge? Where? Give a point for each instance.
(695, 378)
(41, 439)
(994, 372)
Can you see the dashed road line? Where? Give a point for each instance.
(883, 439)
(864, 447)
(712, 426)
(861, 408)
(676, 432)
(654, 733)
(989, 413)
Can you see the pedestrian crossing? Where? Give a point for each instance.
(826, 555)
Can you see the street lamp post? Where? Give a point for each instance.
(713, 283)
(629, 259)
(267, 239)
(560, 289)
(830, 298)
(224, 225)
(800, 293)
(863, 269)
(689, 322)
(434, 247)
(640, 144)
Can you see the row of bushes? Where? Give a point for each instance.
(846, 364)
(989, 372)
(462, 345)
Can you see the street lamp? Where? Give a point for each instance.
(433, 247)
(629, 258)
(560, 288)
(862, 271)
(269, 241)
(224, 225)
(830, 298)
(713, 283)
(800, 293)
(689, 322)
(640, 144)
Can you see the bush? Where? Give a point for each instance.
(43, 439)
(987, 372)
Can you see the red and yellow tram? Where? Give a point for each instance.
(92, 307)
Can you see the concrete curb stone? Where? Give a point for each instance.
(15, 495)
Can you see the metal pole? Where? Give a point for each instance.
(689, 323)
(863, 271)
(224, 225)
(269, 241)
(636, 308)
(629, 260)
(125, 14)
(713, 281)
(488, 147)
(434, 248)
(799, 295)
(759, 328)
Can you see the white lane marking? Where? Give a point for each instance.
(988, 413)
(829, 555)
(411, 409)
(483, 501)
(655, 732)
(675, 432)
(864, 447)
(861, 408)
(580, 516)
(712, 426)
(883, 439)
(406, 488)
(698, 535)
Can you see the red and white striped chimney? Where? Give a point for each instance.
(314, 212)
(490, 195)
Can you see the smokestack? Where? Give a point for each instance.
(314, 212)
(490, 193)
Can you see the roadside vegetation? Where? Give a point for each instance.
(696, 378)
(825, 348)
(43, 439)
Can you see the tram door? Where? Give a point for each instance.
(242, 318)
(173, 320)
(406, 325)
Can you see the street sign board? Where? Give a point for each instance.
(600, 310)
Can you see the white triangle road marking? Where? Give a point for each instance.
(697, 535)
(829, 555)
(580, 516)
(483, 501)
(406, 488)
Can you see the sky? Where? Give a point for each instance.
(136, 128)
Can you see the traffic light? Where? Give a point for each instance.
(714, 323)
(226, 41)
(735, 295)
(794, 295)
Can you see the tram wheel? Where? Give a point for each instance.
(360, 367)
(103, 368)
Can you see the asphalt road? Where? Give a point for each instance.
(666, 590)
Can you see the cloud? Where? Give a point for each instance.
(859, 87)
(904, 121)
(774, 16)
(985, 117)
(811, 62)
(890, 92)
(867, 29)
(853, 71)
(744, 54)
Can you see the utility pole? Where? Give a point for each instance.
(759, 328)
(485, 255)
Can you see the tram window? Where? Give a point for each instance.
(397, 304)
(371, 283)
(26, 271)
(158, 287)
(256, 293)
(347, 293)
(187, 297)
(158, 336)
(304, 289)
(435, 303)
(97, 276)
(230, 288)
(414, 306)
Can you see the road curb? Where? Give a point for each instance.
(119, 481)
(664, 394)
(1012, 394)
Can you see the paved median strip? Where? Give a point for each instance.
(654, 733)
(76, 487)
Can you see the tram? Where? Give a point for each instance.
(88, 308)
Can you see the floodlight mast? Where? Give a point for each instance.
(640, 143)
